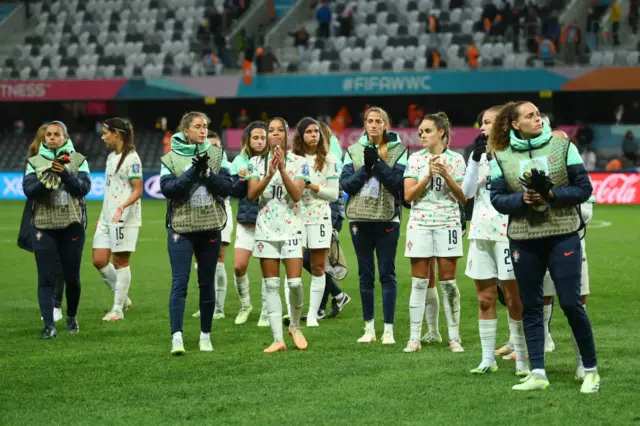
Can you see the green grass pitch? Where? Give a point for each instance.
(122, 373)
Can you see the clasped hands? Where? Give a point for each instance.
(537, 187)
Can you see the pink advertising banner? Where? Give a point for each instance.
(61, 90)
(461, 137)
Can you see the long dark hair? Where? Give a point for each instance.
(298, 142)
(441, 121)
(125, 129)
(246, 139)
(500, 138)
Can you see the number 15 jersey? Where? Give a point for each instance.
(436, 208)
(279, 217)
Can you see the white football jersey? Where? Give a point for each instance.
(436, 208)
(117, 188)
(486, 223)
(316, 210)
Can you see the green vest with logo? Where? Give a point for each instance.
(551, 157)
(57, 209)
(198, 211)
(379, 205)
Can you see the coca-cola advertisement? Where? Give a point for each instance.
(616, 188)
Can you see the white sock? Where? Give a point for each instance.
(369, 325)
(221, 287)
(287, 297)
(339, 297)
(122, 288)
(577, 349)
(388, 328)
(177, 335)
(417, 305)
(264, 299)
(206, 336)
(516, 330)
(109, 276)
(546, 320)
(540, 373)
(274, 306)
(511, 335)
(488, 331)
(317, 291)
(296, 296)
(242, 287)
(195, 266)
(432, 310)
(451, 299)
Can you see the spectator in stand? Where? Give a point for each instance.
(551, 27)
(345, 22)
(615, 17)
(209, 63)
(489, 13)
(300, 40)
(634, 15)
(589, 159)
(473, 55)
(583, 135)
(434, 59)
(570, 41)
(220, 42)
(630, 148)
(497, 28)
(547, 51)
(266, 62)
(531, 26)
(243, 119)
(593, 26)
(323, 16)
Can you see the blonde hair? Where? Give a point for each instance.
(441, 121)
(35, 145)
(383, 149)
(186, 119)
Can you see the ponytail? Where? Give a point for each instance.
(125, 129)
(441, 121)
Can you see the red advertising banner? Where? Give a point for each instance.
(60, 90)
(461, 137)
(616, 188)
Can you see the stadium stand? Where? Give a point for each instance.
(627, 53)
(111, 38)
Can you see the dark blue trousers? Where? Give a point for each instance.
(206, 246)
(563, 256)
(381, 239)
(49, 246)
(331, 286)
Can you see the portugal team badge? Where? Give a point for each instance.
(354, 229)
(409, 245)
(516, 256)
(260, 247)
(176, 237)
(38, 235)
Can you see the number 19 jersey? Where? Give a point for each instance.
(279, 217)
(436, 208)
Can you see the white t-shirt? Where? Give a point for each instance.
(486, 223)
(279, 217)
(315, 209)
(117, 188)
(436, 208)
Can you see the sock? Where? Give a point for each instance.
(195, 266)
(315, 298)
(488, 331)
(511, 342)
(264, 299)
(221, 287)
(287, 296)
(388, 328)
(274, 306)
(339, 297)
(516, 330)
(296, 297)
(451, 298)
(417, 305)
(242, 287)
(432, 310)
(577, 348)
(109, 276)
(177, 335)
(205, 335)
(540, 373)
(591, 370)
(122, 288)
(547, 318)
(369, 325)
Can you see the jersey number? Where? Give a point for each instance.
(277, 192)
(507, 257)
(322, 234)
(436, 183)
(487, 185)
(453, 236)
(119, 234)
(293, 242)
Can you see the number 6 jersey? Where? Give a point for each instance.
(279, 217)
(436, 208)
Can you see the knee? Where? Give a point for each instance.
(272, 284)
(486, 302)
(294, 283)
(570, 306)
(120, 262)
(419, 284)
(239, 270)
(317, 270)
(100, 263)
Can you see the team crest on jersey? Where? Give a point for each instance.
(516, 256)
(38, 235)
(470, 263)
(354, 229)
(176, 237)
(135, 168)
(409, 245)
(305, 170)
(260, 247)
